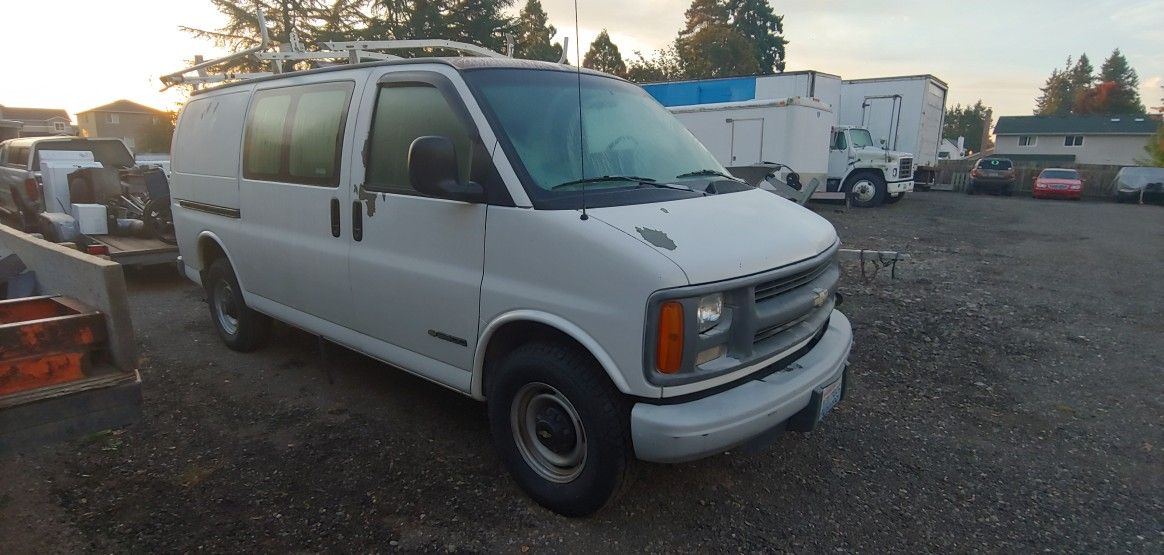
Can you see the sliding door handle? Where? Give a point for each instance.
(335, 217)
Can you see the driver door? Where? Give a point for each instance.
(838, 158)
(416, 262)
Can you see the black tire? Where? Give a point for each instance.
(859, 196)
(1007, 190)
(970, 188)
(240, 327)
(894, 198)
(589, 432)
(159, 220)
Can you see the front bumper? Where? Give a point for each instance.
(1057, 193)
(894, 187)
(713, 424)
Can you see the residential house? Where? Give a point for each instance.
(949, 150)
(36, 122)
(143, 129)
(1110, 140)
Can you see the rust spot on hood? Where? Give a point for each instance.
(657, 238)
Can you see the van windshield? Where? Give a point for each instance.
(624, 133)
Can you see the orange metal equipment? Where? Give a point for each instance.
(46, 341)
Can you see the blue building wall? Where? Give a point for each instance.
(687, 93)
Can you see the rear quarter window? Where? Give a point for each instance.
(209, 135)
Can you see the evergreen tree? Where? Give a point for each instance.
(533, 35)
(704, 13)
(968, 122)
(717, 51)
(755, 20)
(313, 21)
(1064, 87)
(604, 56)
(481, 22)
(1122, 82)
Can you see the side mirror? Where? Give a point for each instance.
(432, 169)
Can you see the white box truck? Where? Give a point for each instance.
(762, 141)
(907, 113)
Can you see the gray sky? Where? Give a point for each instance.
(1005, 50)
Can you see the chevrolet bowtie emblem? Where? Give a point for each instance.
(819, 297)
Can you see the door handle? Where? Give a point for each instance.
(357, 221)
(335, 217)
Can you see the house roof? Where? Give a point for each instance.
(1123, 124)
(33, 114)
(124, 106)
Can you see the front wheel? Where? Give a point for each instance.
(240, 327)
(561, 429)
(866, 190)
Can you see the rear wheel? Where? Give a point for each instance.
(1007, 190)
(866, 190)
(561, 428)
(240, 327)
(970, 188)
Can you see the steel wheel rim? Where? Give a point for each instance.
(226, 307)
(864, 191)
(548, 432)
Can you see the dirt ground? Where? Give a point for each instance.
(1008, 398)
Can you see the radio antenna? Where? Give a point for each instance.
(581, 134)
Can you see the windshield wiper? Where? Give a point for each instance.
(708, 173)
(630, 178)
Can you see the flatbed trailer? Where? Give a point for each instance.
(136, 251)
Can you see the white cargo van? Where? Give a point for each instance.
(553, 243)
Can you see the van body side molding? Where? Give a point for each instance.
(224, 211)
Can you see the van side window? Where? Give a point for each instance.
(403, 113)
(295, 134)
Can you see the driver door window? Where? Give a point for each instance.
(839, 142)
(405, 112)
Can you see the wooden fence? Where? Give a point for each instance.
(1097, 180)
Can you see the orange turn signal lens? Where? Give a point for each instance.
(669, 350)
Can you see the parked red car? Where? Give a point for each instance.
(1058, 183)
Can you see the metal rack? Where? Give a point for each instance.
(351, 52)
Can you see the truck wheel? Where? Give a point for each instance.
(562, 430)
(894, 198)
(866, 190)
(241, 328)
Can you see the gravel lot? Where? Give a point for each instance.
(1008, 398)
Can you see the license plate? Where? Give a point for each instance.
(1058, 187)
(829, 397)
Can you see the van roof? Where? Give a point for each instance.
(460, 63)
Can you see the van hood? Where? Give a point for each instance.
(725, 236)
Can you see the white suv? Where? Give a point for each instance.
(553, 243)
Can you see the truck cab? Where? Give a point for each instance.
(865, 171)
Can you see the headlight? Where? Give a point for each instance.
(710, 310)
